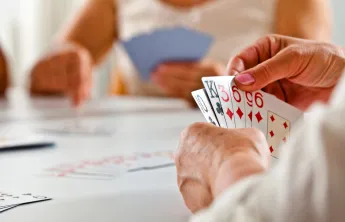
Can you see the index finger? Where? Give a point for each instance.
(262, 50)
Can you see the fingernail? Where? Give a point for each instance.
(245, 79)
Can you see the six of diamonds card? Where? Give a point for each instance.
(225, 105)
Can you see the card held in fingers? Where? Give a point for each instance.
(212, 92)
(201, 99)
(274, 118)
(238, 98)
(249, 108)
(278, 132)
(225, 97)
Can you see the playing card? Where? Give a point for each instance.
(278, 132)
(112, 167)
(213, 96)
(90, 169)
(23, 141)
(147, 161)
(274, 118)
(249, 108)
(7, 200)
(201, 99)
(80, 128)
(225, 97)
(239, 99)
(166, 44)
(3, 209)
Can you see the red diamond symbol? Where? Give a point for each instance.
(285, 125)
(250, 115)
(239, 112)
(272, 134)
(284, 139)
(272, 118)
(271, 149)
(258, 117)
(230, 114)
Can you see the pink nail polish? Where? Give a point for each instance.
(245, 79)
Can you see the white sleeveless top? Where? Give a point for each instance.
(233, 23)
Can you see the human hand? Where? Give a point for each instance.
(297, 71)
(66, 70)
(210, 159)
(4, 73)
(179, 79)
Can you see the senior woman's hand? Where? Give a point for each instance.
(297, 71)
(210, 159)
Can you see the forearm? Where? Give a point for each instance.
(94, 28)
(308, 19)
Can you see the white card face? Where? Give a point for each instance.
(259, 112)
(112, 167)
(7, 200)
(274, 118)
(204, 105)
(222, 83)
(278, 132)
(249, 108)
(238, 99)
(212, 92)
(3, 209)
(77, 127)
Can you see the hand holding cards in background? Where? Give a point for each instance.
(66, 70)
(179, 79)
(291, 69)
(148, 50)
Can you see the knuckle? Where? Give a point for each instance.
(296, 51)
(188, 138)
(254, 136)
(257, 134)
(269, 39)
(192, 129)
(265, 73)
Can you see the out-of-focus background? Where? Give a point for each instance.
(36, 23)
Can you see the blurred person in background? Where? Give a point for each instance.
(7, 14)
(67, 68)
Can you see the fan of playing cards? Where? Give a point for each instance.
(225, 105)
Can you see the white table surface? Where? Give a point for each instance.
(141, 125)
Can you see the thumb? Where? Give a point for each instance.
(258, 77)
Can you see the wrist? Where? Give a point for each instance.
(235, 169)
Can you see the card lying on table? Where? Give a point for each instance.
(9, 201)
(225, 105)
(24, 141)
